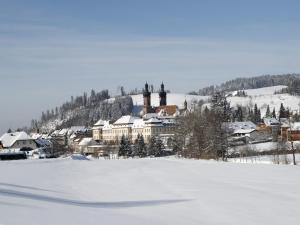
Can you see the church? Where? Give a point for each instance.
(153, 121)
(163, 108)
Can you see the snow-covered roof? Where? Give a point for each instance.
(87, 141)
(169, 121)
(35, 136)
(73, 136)
(55, 133)
(235, 126)
(295, 126)
(271, 121)
(43, 142)
(126, 120)
(153, 121)
(150, 115)
(138, 123)
(107, 125)
(100, 123)
(63, 131)
(75, 129)
(243, 131)
(8, 139)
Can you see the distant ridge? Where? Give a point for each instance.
(250, 83)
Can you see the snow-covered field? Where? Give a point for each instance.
(147, 191)
(265, 96)
(172, 99)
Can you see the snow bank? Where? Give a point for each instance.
(78, 157)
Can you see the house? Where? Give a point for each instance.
(239, 128)
(97, 130)
(18, 140)
(83, 145)
(272, 125)
(269, 122)
(246, 132)
(66, 136)
(291, 132)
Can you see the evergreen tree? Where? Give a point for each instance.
(159, 147)
(124, 147)
(274, 113)
(155, 147)
(177, 144)
(250, 115)
(206, 110)
(151, 146)
(282, 112)
(268, 113)
(140, 147)
(239, 114)
(296, 117)
(287, 113)
(257, 114)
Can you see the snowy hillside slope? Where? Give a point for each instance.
(264, 91)
(265, 96)
(172, 99)
(148, 191)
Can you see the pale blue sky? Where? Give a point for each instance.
(50, 50)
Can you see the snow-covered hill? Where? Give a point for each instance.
(147, 191)
(265, 96)
(172, 99)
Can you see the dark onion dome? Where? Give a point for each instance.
(146, 92)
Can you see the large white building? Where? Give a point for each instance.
(131, 127)
(156, 121)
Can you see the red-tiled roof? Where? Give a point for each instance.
(168, 109)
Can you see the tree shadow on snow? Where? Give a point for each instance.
(120, 204)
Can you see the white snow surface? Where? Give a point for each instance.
(164, 191)
(264, 91)
(265, 96)
(172, 99)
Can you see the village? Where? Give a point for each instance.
(103, 139)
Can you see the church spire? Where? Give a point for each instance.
(147, 99)
(162, 95)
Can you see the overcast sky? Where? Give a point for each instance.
(50, 50)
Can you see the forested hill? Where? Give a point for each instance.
(251, 83)
(84, 110)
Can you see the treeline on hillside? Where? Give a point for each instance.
(251, 83)
(293, 87)
(85, 110)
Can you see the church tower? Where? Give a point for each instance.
(147, 99)
(162, 95)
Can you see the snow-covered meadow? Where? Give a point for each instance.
(172, 99)
(265, 96)
(147, 191)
